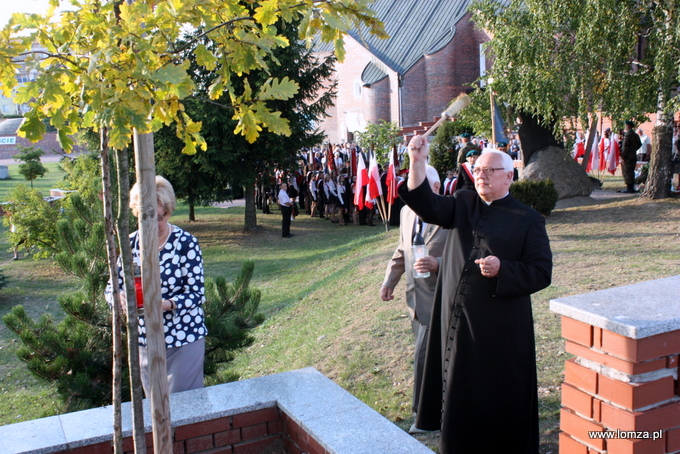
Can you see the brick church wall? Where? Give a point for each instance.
(378, 101)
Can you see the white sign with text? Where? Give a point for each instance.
(8, 140)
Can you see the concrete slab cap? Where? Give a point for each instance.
(337, 420)
(635, 311)
(39, 436)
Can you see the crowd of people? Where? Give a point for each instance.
(324, 187)
(627, 148)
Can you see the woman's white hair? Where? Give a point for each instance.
(507, 163)
(165, 196)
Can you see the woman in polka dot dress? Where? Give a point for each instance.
(182, 293)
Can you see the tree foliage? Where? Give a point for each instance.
(445, 146)
(116, 64)
(569, 59)
(380, 137)
(75, 354)
(231, 314)
(32, 220)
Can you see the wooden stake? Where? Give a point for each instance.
(151, 283)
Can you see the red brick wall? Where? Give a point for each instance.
(427, 87)
(439, 68)
(414, 95)
(466, 53)
(267, 430)
(48, 144)
(595, 402)
(436, 79)
(372, 104)
(378, 101)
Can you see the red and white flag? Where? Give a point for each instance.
(579, 149)
(368, 201)
(594, 161)
(362, 180)
(391, 180)
(374, 186)
(613, 154)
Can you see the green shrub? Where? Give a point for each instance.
(445, 146)
(540, 195)
(3, 280)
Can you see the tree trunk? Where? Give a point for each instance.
(113, 274)
(658, 184)
(589, 144)
(251, 213)
(192, 204)
(192, 213)
(123, 223)
(534, 136)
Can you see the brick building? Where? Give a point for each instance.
(434, 53)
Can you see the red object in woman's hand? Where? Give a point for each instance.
(139, 293)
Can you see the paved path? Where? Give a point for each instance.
(50, 158)
(596, 196)
(232, 203)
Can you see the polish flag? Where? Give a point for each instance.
(368, 202)
(391, 180)
(374, 186)
(594, 161)
(362, 180)
(614, 154)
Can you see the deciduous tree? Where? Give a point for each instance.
(571, 60)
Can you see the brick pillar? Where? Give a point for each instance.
(624, 377)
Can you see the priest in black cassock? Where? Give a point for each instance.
(479, 385)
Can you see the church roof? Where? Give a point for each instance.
(10, 126)
(372, 74)
(415, 27)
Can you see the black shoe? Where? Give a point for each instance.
(288, 236)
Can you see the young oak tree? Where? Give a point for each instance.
(31, 168)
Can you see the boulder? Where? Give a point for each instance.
(555, 163)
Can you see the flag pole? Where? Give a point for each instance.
(493, 119)
(382, 214)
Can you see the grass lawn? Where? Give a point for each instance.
(53, 176)
(320, 294)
